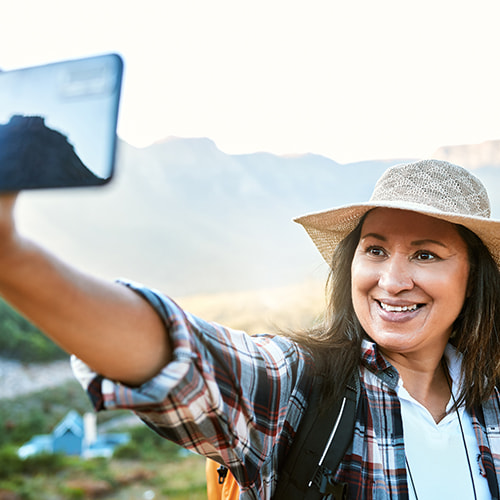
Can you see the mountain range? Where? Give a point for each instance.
(185, 217)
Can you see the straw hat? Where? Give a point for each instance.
(431, 187)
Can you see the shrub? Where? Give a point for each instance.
(46, 463)
(73, 492)
(21, 340)
(10, 463)
(129, 451)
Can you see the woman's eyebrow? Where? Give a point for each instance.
(374, 235)
(428, 240)
(424, 241)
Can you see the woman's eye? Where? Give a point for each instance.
(425, 256)
(375, 251)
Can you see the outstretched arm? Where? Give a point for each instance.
(107, 325)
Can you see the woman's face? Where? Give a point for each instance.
(409, 280)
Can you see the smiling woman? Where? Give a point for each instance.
(410, 279)
(413, 314)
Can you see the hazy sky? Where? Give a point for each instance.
(347, 79)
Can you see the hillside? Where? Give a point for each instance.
(185, 217)
(472, 156)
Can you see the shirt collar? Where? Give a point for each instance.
(374, 360)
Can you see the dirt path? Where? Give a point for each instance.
(18, 378)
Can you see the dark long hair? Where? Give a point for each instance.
(335, 344)
(475, 332)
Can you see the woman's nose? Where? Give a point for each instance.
(395, 275)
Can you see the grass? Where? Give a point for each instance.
(167, 473)
(181, 479)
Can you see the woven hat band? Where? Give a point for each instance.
(437, 185)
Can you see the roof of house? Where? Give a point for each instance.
(72, 422)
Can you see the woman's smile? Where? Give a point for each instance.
(398, 312)
(398, 308)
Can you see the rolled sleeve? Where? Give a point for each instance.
(225, 394)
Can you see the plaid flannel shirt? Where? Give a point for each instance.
(239, 400)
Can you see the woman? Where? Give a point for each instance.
(414, 306)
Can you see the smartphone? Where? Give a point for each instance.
(58, 123)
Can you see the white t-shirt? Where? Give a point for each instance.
(436, 453)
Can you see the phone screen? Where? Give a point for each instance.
(58, 123)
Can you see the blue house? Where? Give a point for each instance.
(75, 435)
(69, 435)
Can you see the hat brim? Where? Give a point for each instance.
(329, 227)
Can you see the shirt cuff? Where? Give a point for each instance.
(108, 394)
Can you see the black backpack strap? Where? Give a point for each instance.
(319, 446)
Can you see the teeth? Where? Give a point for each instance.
(389, 308)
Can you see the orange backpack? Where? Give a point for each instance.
(221, 484)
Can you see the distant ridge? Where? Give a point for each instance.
(473, 156)
(187, 218)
